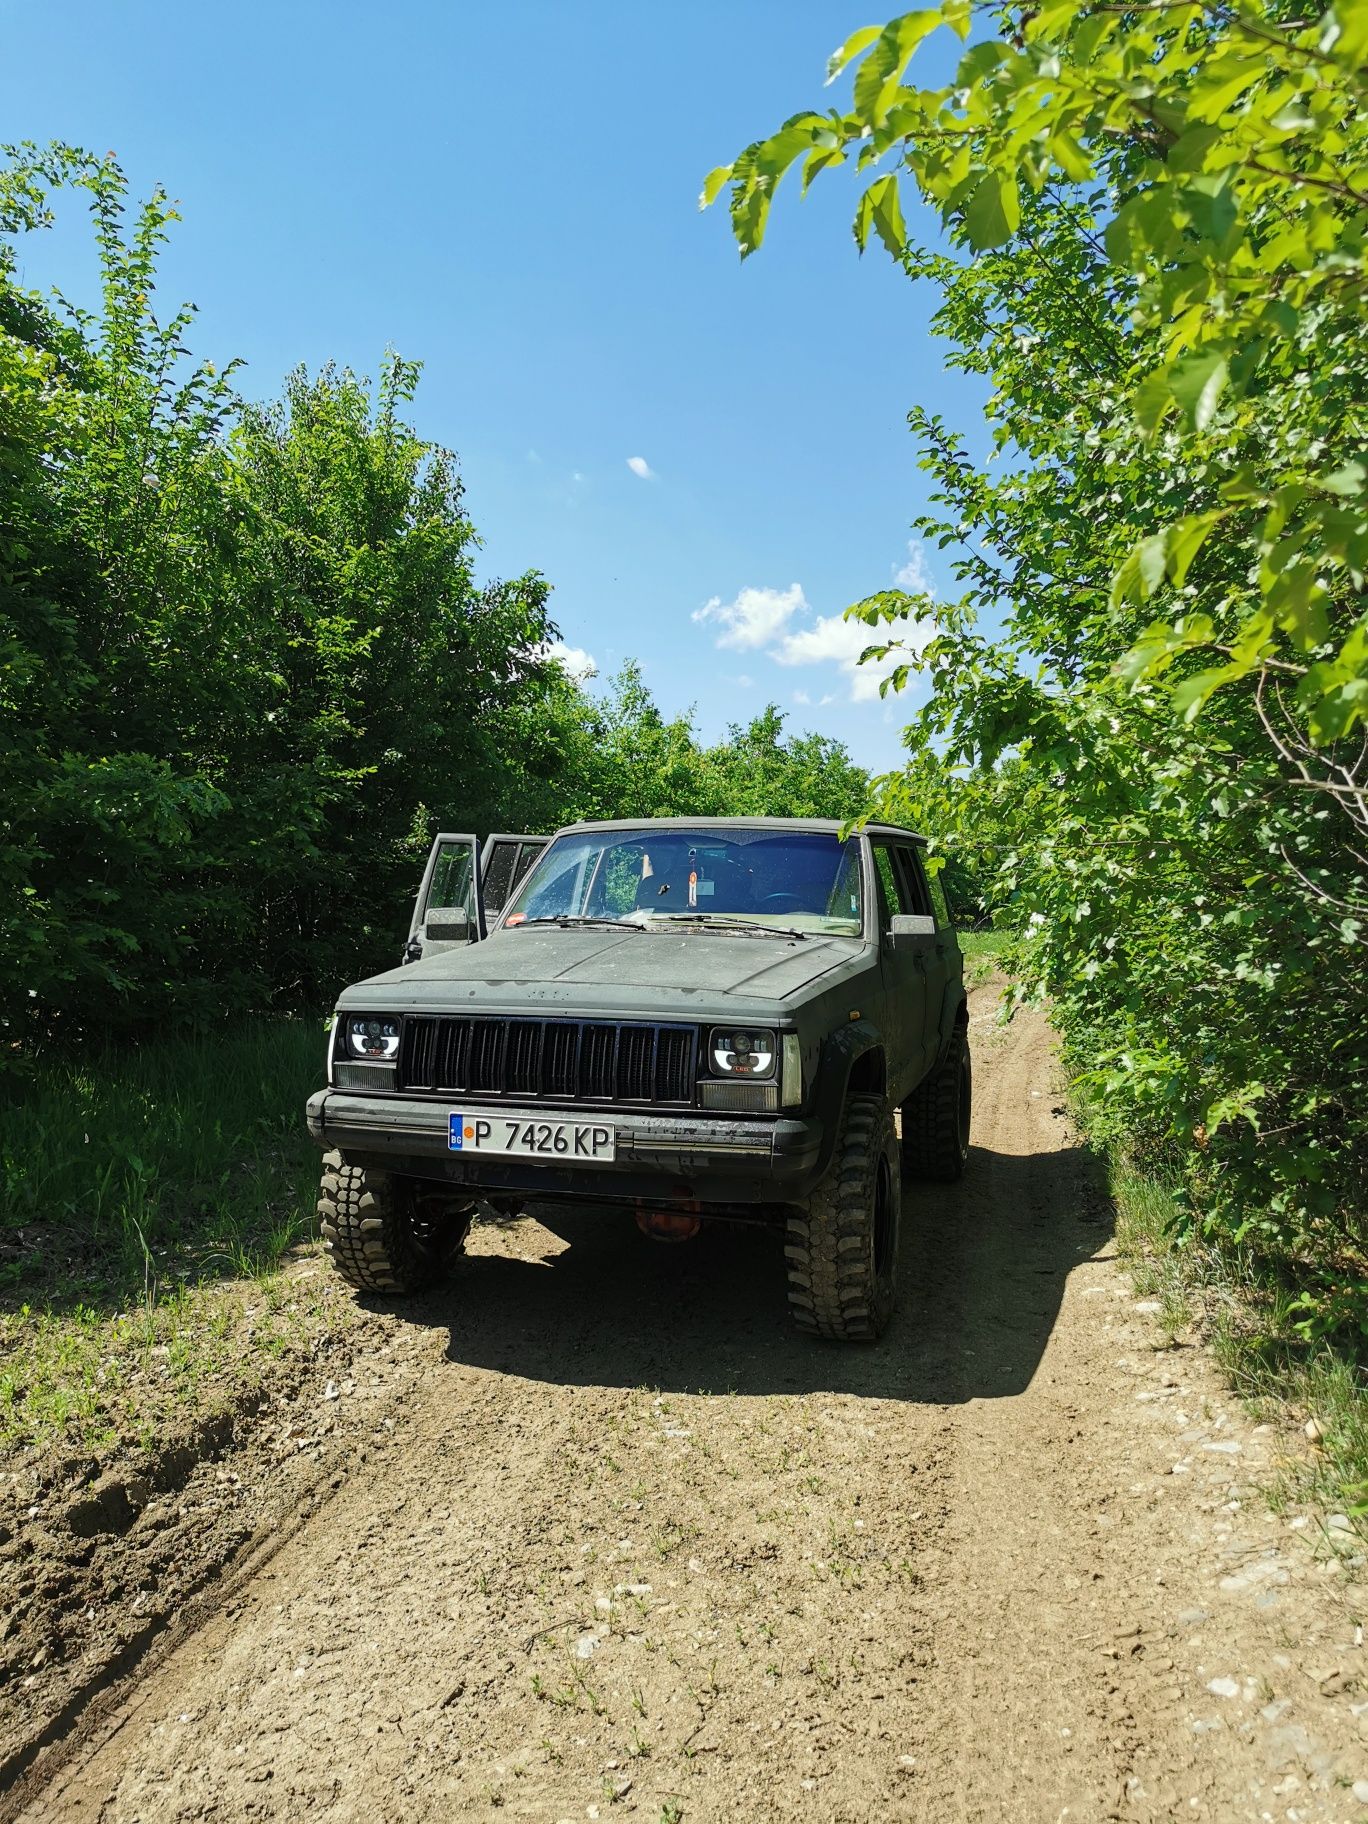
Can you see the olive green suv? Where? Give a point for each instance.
(736, 1019)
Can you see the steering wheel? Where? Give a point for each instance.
(781, 902)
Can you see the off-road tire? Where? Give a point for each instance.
(842, 1246)
(384, 1233)
(935, 1117)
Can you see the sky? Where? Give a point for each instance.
(708, 460)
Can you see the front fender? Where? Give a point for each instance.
(841, 1052)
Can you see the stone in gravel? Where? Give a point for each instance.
(586, 1646)
(1224, 1687)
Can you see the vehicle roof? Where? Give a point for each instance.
(824, 825)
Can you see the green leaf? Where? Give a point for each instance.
(712, 185)
(1349, 45)
(1142, 571)
(878, 76)
(819, 160)
(1190, 697)
(886, 209)
(978, 61)
(1191, 150)
(1347, 480)
(1197, 383)
(857, 42)
(1184, 539)
(992, 211)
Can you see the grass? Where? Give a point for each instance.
(135, 1181)
(138, 1167)
(1280, 1373)
(980, 943)
(982, 953)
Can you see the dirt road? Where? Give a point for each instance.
(627, 1548)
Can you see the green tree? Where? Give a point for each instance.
(246, 662)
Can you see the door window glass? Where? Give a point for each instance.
(909, 866)
(498, 875)
(939, 904)
(453, 877)
(892, 894)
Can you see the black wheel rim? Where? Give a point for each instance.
(885, 1237)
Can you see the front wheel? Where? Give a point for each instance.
(385, 1233)
(842, 1245)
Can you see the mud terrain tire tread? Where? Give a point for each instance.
(934, 1143)
(835, 1288)
(372, 1233)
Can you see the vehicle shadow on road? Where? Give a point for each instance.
(982, 1273)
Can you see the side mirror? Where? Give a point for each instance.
(910, 930)
(447, 925)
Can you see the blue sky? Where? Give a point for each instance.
(508, 193)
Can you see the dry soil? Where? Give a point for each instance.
(599, 1538)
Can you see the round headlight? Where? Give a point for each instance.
(743, 1054)
(374, 1037)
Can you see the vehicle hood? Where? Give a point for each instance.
(680, 974)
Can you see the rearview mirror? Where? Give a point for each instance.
(910, 929)
(447, 925)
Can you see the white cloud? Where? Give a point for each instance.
(574, 660)
(639, 466)
(756, 618)
(915, 575)
(833, 640)
(779, 622)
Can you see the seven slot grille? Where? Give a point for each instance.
(573, 1060)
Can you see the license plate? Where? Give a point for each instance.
(524, 1137)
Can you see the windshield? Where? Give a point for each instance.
(789, 879)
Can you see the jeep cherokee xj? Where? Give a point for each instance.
(685, 1018)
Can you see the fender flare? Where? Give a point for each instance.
(841, 1052)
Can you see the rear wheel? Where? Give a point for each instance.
(935, 1117)
(385, 1233)
(842, 1246)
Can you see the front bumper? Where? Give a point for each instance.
(709, 1157)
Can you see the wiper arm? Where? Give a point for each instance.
(720, 921)
(577, 918)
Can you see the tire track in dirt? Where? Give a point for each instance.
(633, 1549)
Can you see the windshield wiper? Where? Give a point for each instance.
(579, 918)
(719, 921)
